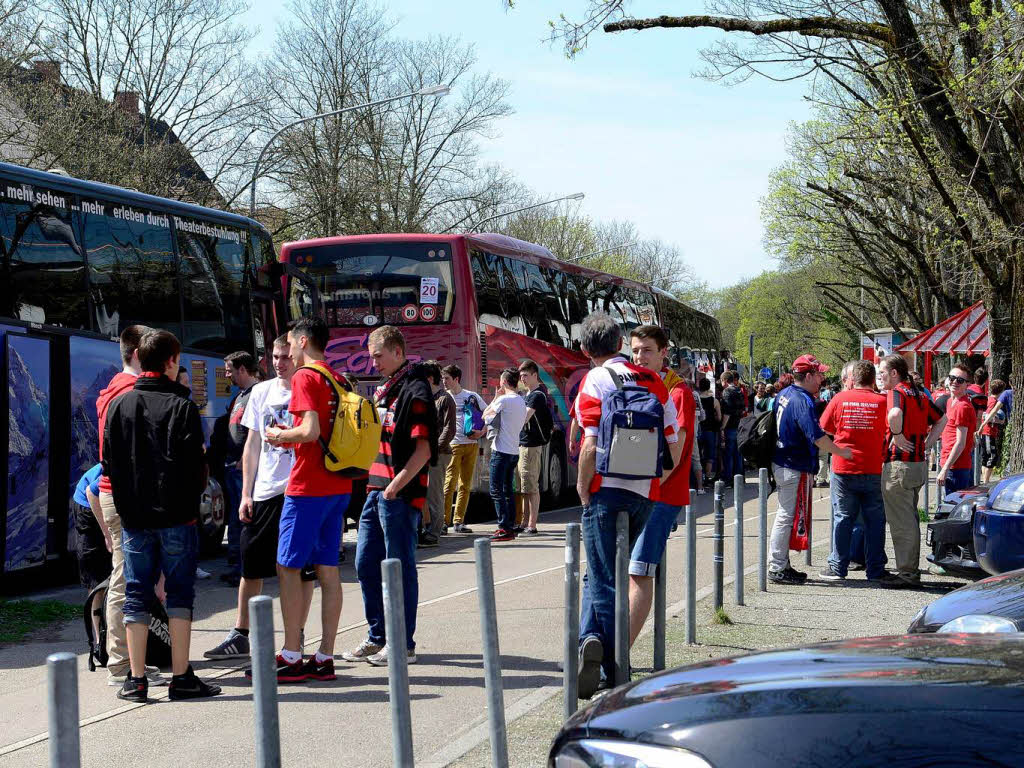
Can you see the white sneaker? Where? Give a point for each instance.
(152, 674)
(365, 650)
(201, 574)
(380, 659)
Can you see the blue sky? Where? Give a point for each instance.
(625, 122)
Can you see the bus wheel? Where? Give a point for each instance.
(556, 476)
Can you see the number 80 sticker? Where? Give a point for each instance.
(428, 312)
(409, 312)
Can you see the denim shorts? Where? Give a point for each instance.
(650, 544)
(148, 552)
(310, 531)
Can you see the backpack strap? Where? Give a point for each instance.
(334, 384)
(616, 379)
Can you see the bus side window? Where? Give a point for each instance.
(131, 267)
(42, 270)
(488, 292)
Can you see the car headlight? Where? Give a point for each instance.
(1010, 498)
(962, 512)
(602, 753)
(979, 623)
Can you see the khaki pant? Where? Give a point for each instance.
(117, 637)
(435, 493)
(459, 477)
(901, 484)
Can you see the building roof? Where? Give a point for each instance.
(964, 333)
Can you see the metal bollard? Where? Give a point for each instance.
(492, 653)
(738, 487)
(62, 706)
(570, 653)
(691, 571)
(718, 540)
(977, 461)
(810, 520)
(762, 536)
(264, 682)
(398, 663)
(621, 599)
(660, 608)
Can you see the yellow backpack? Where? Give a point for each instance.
(355, 429)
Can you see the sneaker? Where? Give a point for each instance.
(784, 577)
(134, 689)
(319, 670)
(529, 532)
(517, 529)
(427, 540)
(380, 659)
(235, 646)
(828, 573)
(899, 581)
(591, 653)
(795, 574)
(460, 528)
(365, 650)
(152, 675)
(857, 567)
(288, 672)
(202, 574)
(502, 535)
(444, 529)
(188, 686)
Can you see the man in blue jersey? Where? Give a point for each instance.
(795, 461)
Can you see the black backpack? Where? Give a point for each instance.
(545, 423)
(158, 647)
(755, 437)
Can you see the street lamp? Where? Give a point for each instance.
(430, 90)
(575, 196)
(622, 247)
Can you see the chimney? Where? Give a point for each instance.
(48, 69)
(127, 102)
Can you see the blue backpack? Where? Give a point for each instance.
(631, 433)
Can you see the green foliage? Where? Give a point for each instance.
(721, 617)
(19, 618)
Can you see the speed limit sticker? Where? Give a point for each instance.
(428, 312)
(409, 313)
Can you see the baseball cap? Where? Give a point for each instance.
(808, 363)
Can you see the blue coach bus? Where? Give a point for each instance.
(80, 261)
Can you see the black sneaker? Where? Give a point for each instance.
(427, 539)
(188, 686)
(784, 577)
(795, 574)
(287, 672)
(828, 573)
(134, 689)
(518, 529)
(502, 535)
(318, 670)
(591, 653)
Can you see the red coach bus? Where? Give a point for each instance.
(481, 301)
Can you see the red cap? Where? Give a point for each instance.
(808, 363)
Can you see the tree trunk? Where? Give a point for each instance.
(1001, 325)
(1015, 461)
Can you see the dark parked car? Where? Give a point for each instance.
(911, 700)
(995, 604)
(999, 526)
(951, 534)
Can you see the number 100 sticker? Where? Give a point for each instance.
(428, 312)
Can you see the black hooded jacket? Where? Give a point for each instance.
(153, 454)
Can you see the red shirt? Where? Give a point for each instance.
(382, 472)
(676, 489)
(992, 429)
(960, 413)
(309, 476)
(919, 414)
(856, 417)
(121, 383)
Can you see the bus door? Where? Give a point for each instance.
(281, 292)
(27, 536)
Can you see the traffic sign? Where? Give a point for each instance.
(766, 373)
(410, 313)
(428, 312)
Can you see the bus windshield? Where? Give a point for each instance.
(397, 283)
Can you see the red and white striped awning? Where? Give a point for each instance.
(964, 333)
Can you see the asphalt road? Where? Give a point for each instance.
(448, 700)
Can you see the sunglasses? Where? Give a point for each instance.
(958, 380)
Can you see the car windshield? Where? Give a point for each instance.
(398, 283)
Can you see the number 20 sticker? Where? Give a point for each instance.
(428, 312)
(409, 312)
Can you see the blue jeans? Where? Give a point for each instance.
(959, 479)
(854, 495)
(597, 613)
(503, 470)
(650, 544)
(732, 462)
(148, 552)
(232, 500)
(387, 529)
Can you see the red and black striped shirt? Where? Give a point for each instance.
(919, 414)
(383, 471)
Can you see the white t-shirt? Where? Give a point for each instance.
(268, 407)
(460, 410)
(513, 416)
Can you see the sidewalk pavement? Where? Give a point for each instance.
(448, 698)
